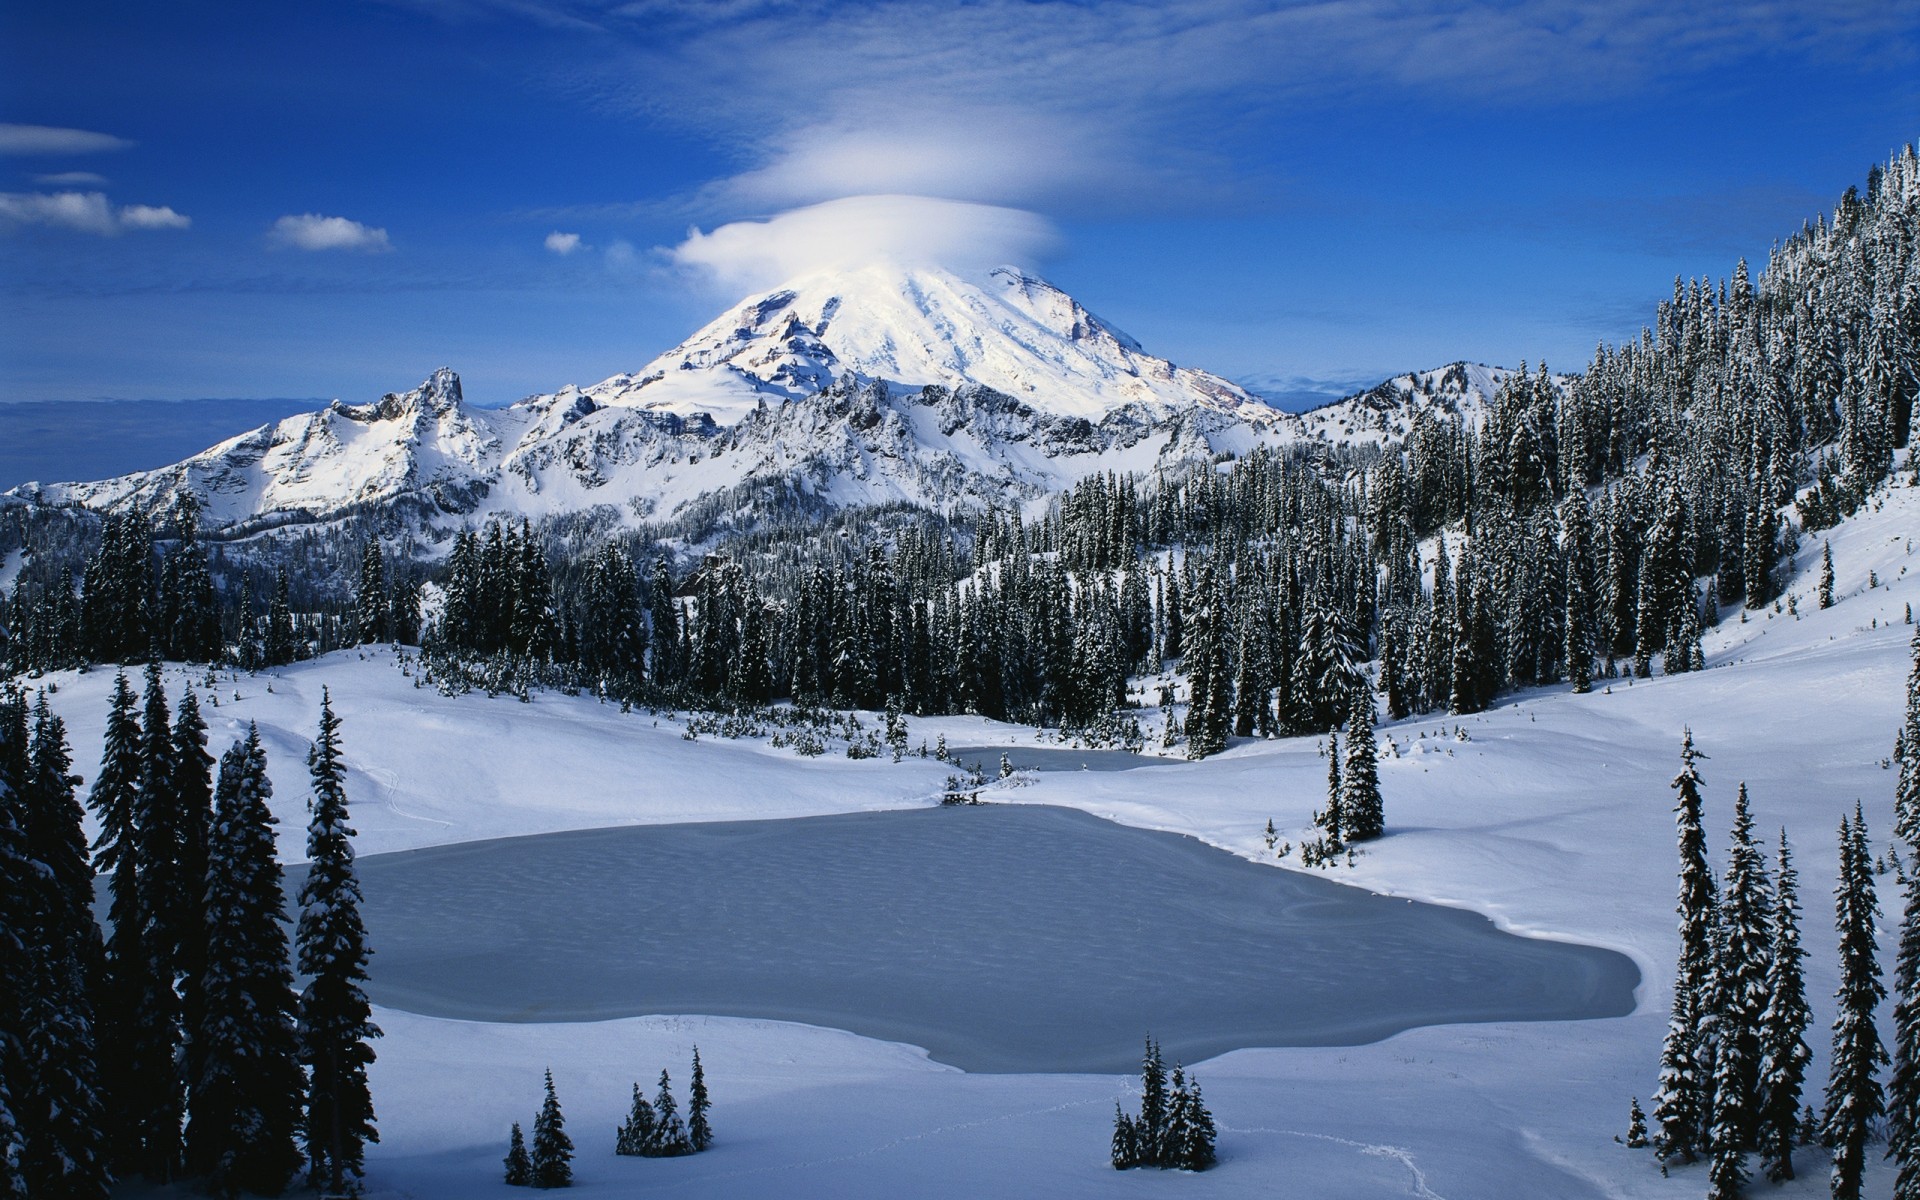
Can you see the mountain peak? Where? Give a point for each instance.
(911, 327)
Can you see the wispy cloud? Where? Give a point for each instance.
(71, 179)
(1127, 103)
(311, 231)
(49, 139)
(84, 212)
(859, 229)
(562, 244)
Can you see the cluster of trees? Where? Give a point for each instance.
(147, 592)
(176, 1045)
(1174, 1128)
(1734, 1060)
(1355, 811)
(654, 1130)
(651, 1130)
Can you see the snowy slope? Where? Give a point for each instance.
(1554, 818)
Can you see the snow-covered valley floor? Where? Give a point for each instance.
(1553, 818)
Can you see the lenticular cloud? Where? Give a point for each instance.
(840, 234)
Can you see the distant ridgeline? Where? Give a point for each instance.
(1566, 529)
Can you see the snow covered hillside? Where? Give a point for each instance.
(1551, 814)
(876, 385)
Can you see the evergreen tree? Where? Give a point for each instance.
(1854, 1100)
(1783, 1048)
(335, 1019)
(156, 1035)
(636, 1134)
(519, 1166)
(60, 1104)
(552, 1160)
(370, 608)
(1740, 987)
(115, 801)
(699, 1131)
(1826, 575)
(1636, 1126)
(1126, 1141)
(245, 1098)
(1362, 815)
(669, 1133)
(1903, 1090)
(1682, 1102)
(192, 821)
(1906, 796)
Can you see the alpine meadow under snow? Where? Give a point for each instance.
(899, 538)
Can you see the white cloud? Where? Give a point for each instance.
(143, 216)
(48, 139)
(311, 231)
(84, 212)
(750, 255)
(1132, 104)
(71, 179)
(563, 244)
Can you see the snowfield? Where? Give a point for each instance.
(1553, 817)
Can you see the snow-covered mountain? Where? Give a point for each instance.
(876, 385)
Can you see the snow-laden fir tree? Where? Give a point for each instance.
(18, 885)
(1826, 575)
(1362, 815)
(193, 822)
(1683, 1100)
(67, 1151)
(1906, 796)
(1903, 1088)
(519, 1165)
(634, 1137)
(669, 1132)
(156, 1039)
(114, 800)
(699, 1129)
(552, 1158)
(1741, 999)
(1854, 1100)
(1783, 1026)
(335, 1018)
(245, 1100)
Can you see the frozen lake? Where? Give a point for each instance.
(1001, 938)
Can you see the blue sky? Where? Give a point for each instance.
(331, 199)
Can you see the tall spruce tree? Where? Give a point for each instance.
(335, 1019)
(1903, 1089)
(1906, 796)
(19, 883)
(115, 802)
(1362, 815)
(245, 1099)
(66, 1153)
(1682, 1102)
(552, 1158)
(1783, 1048)
(156, 1035)
(699, 1130)
(1741, 979)
(1854, 1100)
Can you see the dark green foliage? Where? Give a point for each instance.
(1683, 1101)
(635, 1137)
(1636, 1126)
(1826, 575)
(1362, 813)
(1854, 1100)
(699, 1130)
(245, 1098)
(335, 1019)
(519, 1165)
(1783, 1026)
(1740, 987)
(551, 1162)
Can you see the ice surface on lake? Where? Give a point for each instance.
(1000, 938)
